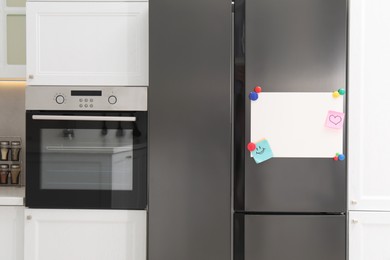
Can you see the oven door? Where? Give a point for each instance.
(89, 160)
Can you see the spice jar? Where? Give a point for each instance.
(15, 150)
(4, 172)
(4, 148)
(15, 173)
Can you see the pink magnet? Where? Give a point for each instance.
(251, 147)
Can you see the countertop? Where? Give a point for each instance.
(11, 201)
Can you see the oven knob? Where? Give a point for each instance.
(112, 100)
(60, 99)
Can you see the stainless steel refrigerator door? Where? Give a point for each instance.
(189, 130)
(296, 45)
(295, 185)
(292, 237)
(288, 46)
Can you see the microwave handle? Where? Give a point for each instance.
(85, 118)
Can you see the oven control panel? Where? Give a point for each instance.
(86, 98)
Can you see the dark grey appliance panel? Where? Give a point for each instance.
(295, 185)
(290, 46)
(296, 45)
(189, 130)
(294, 237)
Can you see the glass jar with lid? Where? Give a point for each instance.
(15, 173)
(4, 149)
(4, 173)
(15, 150)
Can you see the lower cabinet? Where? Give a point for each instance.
(369, 235)
(85, 234)
(11, 232)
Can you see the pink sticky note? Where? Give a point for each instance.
(335, 120)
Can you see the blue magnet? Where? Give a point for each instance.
(253, 96)
(341, 157)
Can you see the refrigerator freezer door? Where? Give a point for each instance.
(189, 130)
(293, 237)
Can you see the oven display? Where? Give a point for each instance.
(95, 93)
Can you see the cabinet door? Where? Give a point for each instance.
(12, 39)
(369, 235)
(369, 109)
(11, 234)
(81, 43)
(85, 234)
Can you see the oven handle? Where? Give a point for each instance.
(85, 118)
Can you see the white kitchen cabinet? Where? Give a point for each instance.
(85, 234)
(12, 39)
(369, 235)
(11, 232)
(85, 43)
(369, 109)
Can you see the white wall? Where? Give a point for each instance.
(13, 123)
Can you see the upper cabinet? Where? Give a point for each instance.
(85, 43)
(369, 109)
(12, 39)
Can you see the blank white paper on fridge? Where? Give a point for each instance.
(294, 124)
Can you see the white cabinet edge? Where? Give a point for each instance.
(11, 201)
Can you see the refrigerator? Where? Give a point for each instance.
(291, 204)
(189, 210)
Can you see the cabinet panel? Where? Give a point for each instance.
(369, 235)
(369, 105)
(76, 43)
(11, 235)
(12, 39)
(85, 234)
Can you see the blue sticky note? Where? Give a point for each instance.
(262, 152)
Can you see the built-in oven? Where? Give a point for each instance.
(86, 148)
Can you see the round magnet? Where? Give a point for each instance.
(251, 147)
(253, 96)
(341, 157)
(341, 91)
(257, 89)
(336, 158)
(336, 94)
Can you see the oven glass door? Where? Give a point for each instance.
(86, 160)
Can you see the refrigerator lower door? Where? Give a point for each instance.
(292, 237)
